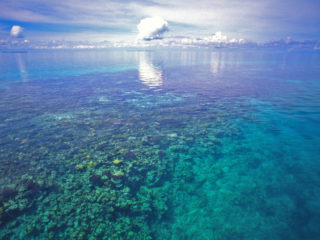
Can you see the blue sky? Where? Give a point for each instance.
(255, 20)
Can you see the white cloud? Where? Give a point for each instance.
(16, 31)
(152, 28)
(216, 38)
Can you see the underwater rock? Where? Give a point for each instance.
(32, 187)
(130, 155)
(8, 193)
(153, 140)
(64, 146)
(161, 154)
(102, 146)
(96, 180)
(150, 140)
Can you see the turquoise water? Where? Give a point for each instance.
(160, 145)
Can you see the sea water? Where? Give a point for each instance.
(164, 144)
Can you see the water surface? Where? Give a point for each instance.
(160, 145)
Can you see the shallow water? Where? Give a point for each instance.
(160, 145)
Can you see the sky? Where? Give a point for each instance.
(82, 20)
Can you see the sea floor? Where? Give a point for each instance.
(173, 153)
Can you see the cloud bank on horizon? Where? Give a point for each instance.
(117, 20)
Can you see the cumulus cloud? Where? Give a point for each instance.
(152, 28)
(16, 31)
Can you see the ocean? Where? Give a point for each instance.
(160, 144)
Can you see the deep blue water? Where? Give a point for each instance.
(162, 144)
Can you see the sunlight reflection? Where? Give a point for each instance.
(22, 68)
(149, 74)
(217, 63)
